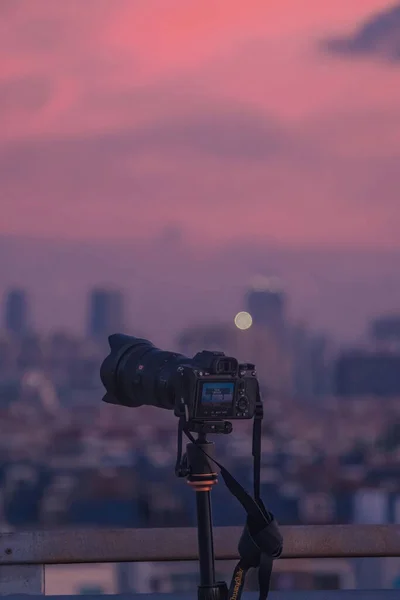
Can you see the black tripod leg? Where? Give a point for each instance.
(205, 538)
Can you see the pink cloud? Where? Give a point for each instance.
(101, 49)
(121, 117)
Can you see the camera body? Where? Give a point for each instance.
(215, 387)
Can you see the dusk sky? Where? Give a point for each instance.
(208, 121)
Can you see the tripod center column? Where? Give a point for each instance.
(201, 478)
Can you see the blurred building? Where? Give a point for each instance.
(265, 301)
(311, 363)
(16, 317)
(362, 373)
(106, 312)
(385, 332)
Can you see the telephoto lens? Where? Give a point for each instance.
(136, 373)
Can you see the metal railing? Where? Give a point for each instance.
(23, 555)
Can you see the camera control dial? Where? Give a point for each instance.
(242, 403)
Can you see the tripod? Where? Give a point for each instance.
(201, 477)
(260, 543)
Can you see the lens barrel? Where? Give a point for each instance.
(136, 373)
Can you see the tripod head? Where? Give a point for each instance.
(208, 427)
(196, 464)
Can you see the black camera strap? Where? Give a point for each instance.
(261, 541)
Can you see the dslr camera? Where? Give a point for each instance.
(216, 387)
(208, 388)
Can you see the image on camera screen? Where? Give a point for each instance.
(217, 393)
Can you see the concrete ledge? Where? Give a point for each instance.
(151, 545)
(298, 595)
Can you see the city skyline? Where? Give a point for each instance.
(94, 318)
(331, 291)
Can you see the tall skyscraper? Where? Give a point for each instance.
(311, 363)
(385, 332)
(16, 318)
(364, 374)
(266, 304)
(106, 312)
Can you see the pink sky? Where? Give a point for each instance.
(119, 118)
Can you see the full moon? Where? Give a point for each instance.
(243, 320)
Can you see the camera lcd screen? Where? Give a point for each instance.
(217, 393)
